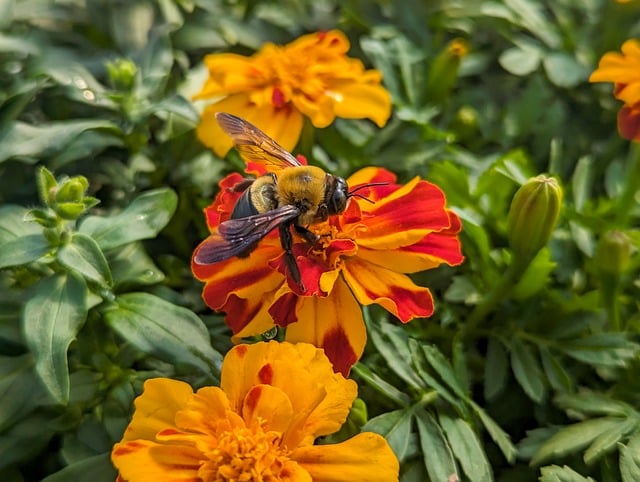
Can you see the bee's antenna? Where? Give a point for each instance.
(353, 193)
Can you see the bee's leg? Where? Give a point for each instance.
(290, 260)
(309, 237)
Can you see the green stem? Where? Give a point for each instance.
(627, 198)
(499, 292)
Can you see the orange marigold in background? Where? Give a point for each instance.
(274, 400)
(623, 69)
(362, 257)
(279, 85)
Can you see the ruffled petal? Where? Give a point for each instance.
(365, 457)
(333, 323)
(230, 74)
(393, 291)
(145, 461)
(617, 67)
(267, 407)
(156, 408)
(321, 399)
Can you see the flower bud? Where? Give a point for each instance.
(533, 216)
(122, 73)
(72, 190)
(613, 254)
(443, 72)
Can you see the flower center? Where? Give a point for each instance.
(247, 455)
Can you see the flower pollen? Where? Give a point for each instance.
(246, 455)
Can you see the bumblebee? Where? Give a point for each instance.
(290, 196)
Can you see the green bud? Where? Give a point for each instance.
(533, 216)
(70, 211)
(613, 254)
(47, 186)
(122, 73)
(72, 190)
(443, 71)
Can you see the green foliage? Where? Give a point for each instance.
(522, 374)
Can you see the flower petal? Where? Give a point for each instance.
(365, 457)
(268, 405)
(393, 291)
(629, 123)
(145, 461)
(355, 100)
(156, 408)
(321, 399)
(333, 323)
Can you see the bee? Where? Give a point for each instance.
(289, 196)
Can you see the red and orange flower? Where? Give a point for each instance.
(274, 400)
(623, 69)
(280, 85)
(363, 257)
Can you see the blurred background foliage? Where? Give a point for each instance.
(98, 152)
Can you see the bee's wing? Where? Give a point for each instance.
(237, 235)
(254, 145)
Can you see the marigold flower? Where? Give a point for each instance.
(274, 400)
(362, 257)
(273, 89)
(623, 69)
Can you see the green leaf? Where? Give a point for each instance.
(496, 369)
(564, 70)
(467, 449)
(581, 182)
(591, 403)
(573, 438)
(142, 219)
(520, 61)
(438, 457)
(163, 329)
(554, 473)
(444, 369)
(19, 389)
(604, 349)
(23, 440)
(608, 440)
(558, 377)
(132, 266)
(23, 250)
(630, 459)
(83, 255)
(535, 276)
(396, 428)
(13, 224)
(30, 143)
(527, 370)
(499, 436)
(96, 469)
(52, 318)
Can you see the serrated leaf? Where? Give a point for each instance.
(594, 404)
(467, 449)
(23, 250)
(163, 329)
(608, 440)
(438, 457)
(499, 436)
(83, 255)
(51, 320)
(496, 369)
(96, 469)
(526, 369)
(396, 428)
(555, 371)
(573, 438)
(554, 473)
(444, 369)
(605, 349)
(142, 219)
(630, 459)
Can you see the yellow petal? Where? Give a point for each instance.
(320, 398)
(355, 100)
(366, 457)
(144, 461)
(268, 405)
(156, 408)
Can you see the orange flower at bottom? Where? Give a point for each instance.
(274, 400)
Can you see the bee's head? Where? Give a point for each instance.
(337, 194)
